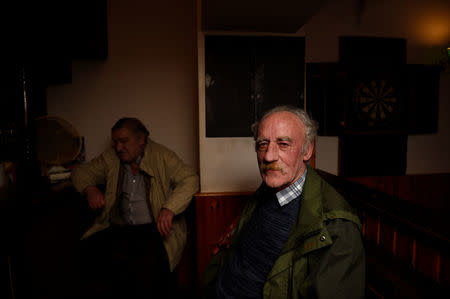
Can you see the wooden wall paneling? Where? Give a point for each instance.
(215, 212)
(364, 180)
(371, 228)
(431, 191)
(390, 185)
(407, 247)
(386, 184)
(387, 232)
(386, 276)
(414, 253)
(426, 190)
(395, 242)
(427, 260)
(444, 275)
(406, 187)
(378, 230)
(423, 191)
(380, 183)
(438, 269)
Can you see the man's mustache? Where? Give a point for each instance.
(272, 166)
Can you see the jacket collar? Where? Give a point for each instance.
(310, 217)
(147, 164)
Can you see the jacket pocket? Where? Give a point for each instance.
(277, 286)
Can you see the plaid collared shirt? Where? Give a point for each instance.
(292, 191)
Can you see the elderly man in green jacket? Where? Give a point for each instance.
(139, 234)
(297, 237)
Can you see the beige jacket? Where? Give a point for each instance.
(172, 186)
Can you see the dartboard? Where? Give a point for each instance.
(375, 102)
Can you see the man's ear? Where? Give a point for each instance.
(309, 152)
(141, 139)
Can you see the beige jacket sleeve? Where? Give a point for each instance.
(184, 182)
(90, 174)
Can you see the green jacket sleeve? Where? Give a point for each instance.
(210, 274)
(340, 270)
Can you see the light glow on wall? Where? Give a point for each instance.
(433, 30)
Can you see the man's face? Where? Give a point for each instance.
(279, 149)
(128, 146)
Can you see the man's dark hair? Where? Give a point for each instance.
(132, 124)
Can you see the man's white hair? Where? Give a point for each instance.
(311, 125)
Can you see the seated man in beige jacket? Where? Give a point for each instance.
(139, 235)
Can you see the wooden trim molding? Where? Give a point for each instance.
(222, 194)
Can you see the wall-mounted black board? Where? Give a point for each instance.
(247, 75)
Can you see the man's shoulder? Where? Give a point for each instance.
(321, 187)
(157, 155)
(154, 147)
(109, 155)
(334, 204)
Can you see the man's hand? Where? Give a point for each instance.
(165, 222)
(95, 197)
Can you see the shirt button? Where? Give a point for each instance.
(322, 238)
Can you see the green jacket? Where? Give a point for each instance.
(323, 257)
(172, 186)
